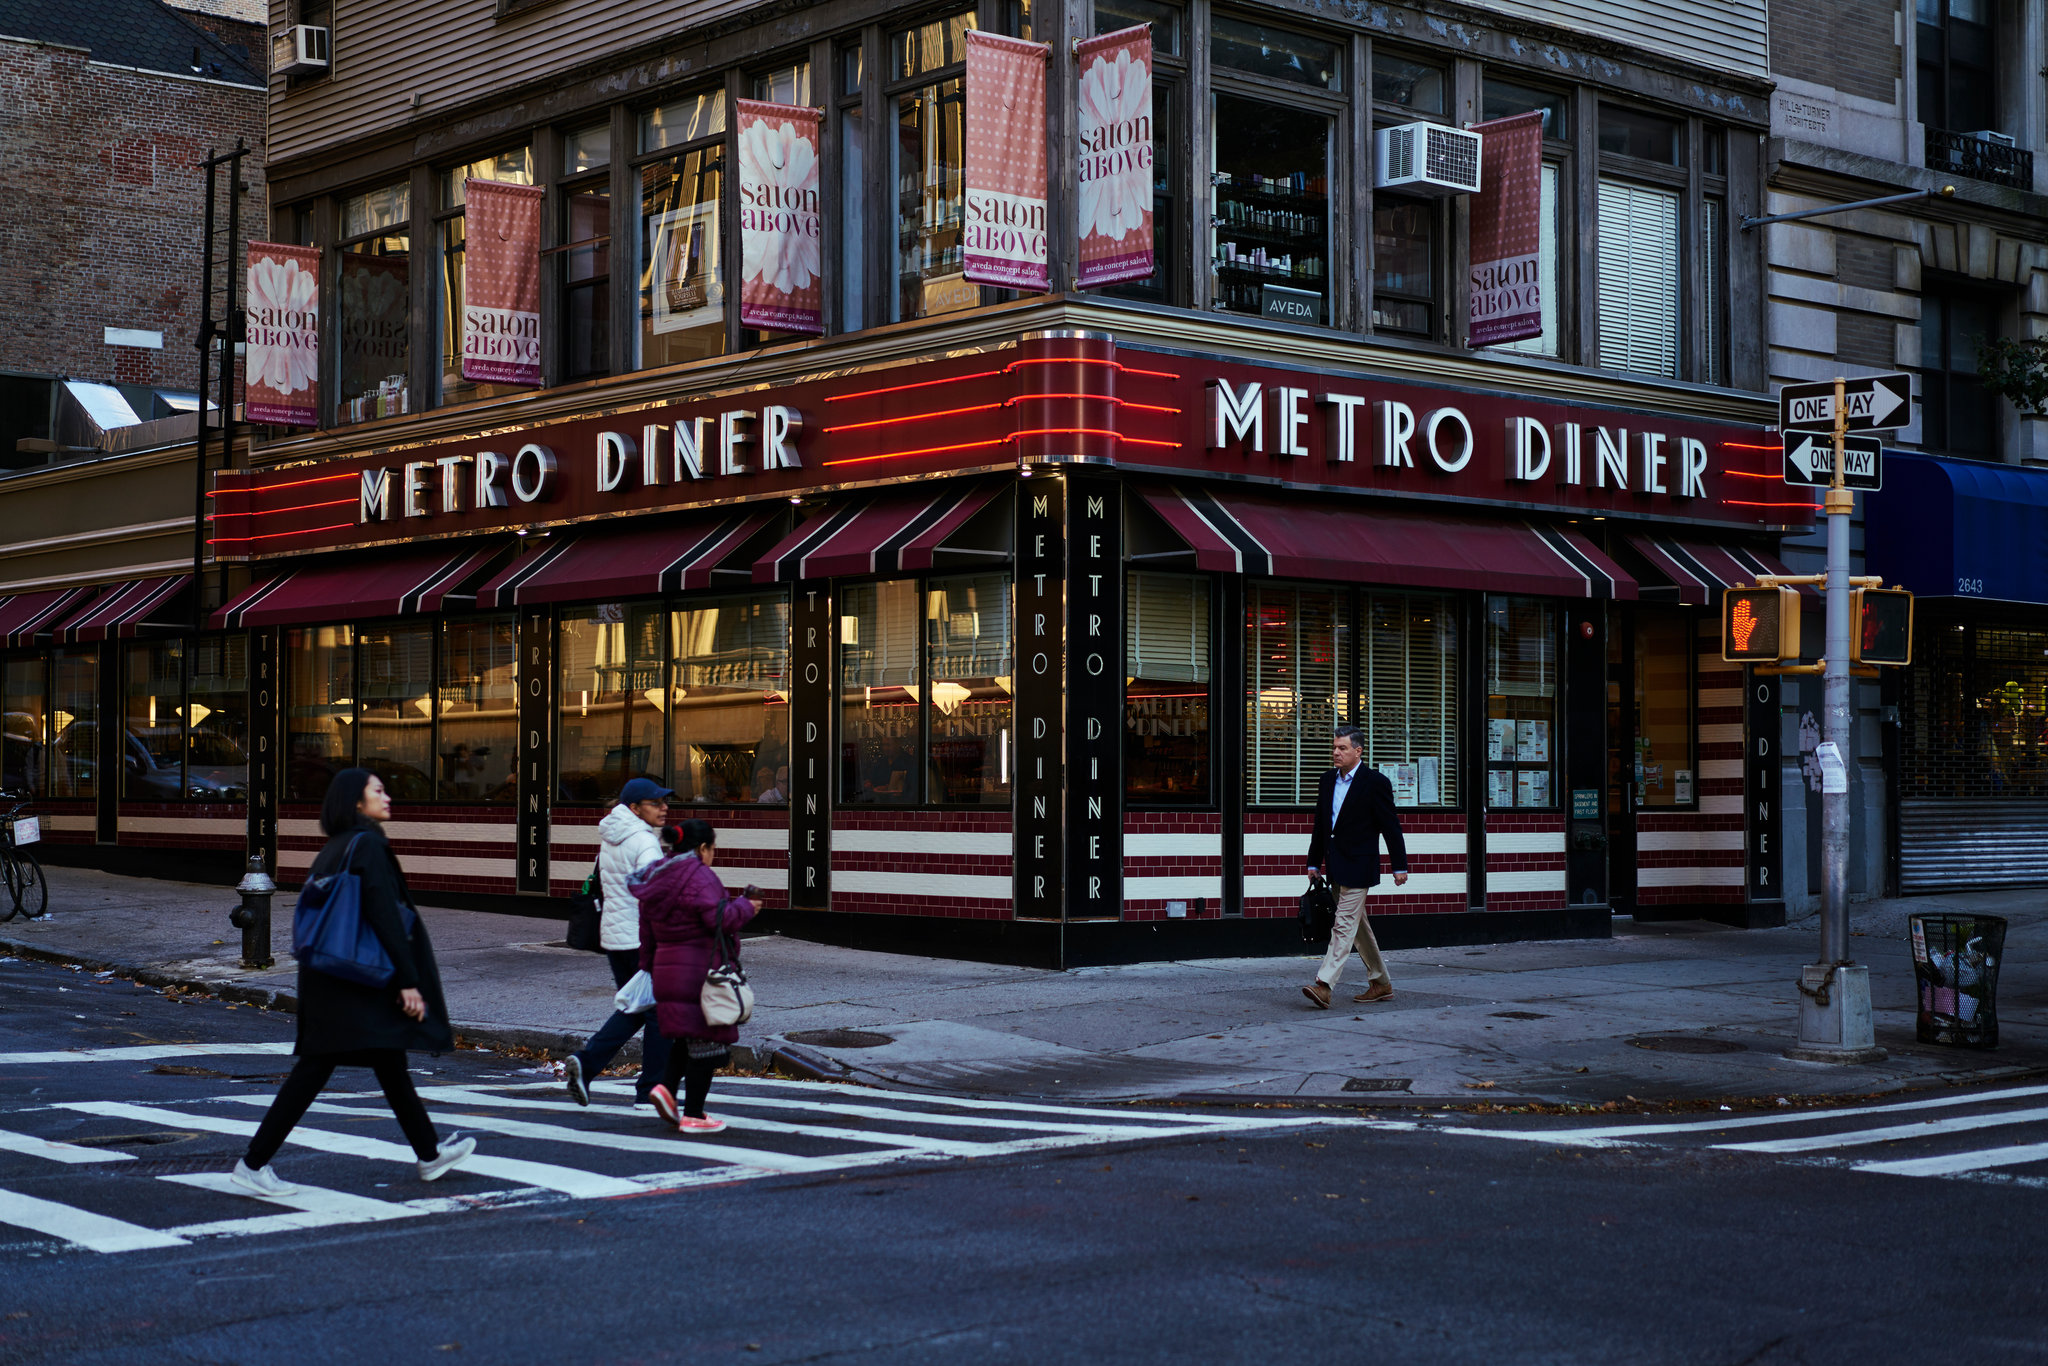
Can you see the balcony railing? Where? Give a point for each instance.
(1979, 159)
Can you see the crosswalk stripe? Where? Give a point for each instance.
(1590, 1137)
(147, 1052)
(567, 1180)
(56, 1149)
(309, 1207)
(1193, 1120)
(95, 1232)
(898, 1116)
(1890, 1133)
(1955, 1163)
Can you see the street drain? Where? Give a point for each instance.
(840, 1038)
(1518, 1015)
(149, 1140)
(1378, 1083)
(1686, 1043)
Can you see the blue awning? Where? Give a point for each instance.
(1959, 528)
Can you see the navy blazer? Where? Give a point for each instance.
(1350, 854)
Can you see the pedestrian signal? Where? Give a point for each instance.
(1884, 626)
(1759, 625)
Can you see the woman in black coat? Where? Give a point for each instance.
(344, 1024)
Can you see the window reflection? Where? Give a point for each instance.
(609, 727)
(879, 688)
(967, 632)
(395, 708)
(730, 699)
(320, 697)
(477, 752)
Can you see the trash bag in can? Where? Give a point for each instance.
(1955, 966)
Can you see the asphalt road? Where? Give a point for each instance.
(838, 1224)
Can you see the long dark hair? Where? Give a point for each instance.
(695, 835)
(338, 813)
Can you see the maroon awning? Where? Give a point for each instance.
(1245, 533)
(613, 562)
(346, 590)
(26, 615)
(122, 613)
(885, 533)
(1700, 570)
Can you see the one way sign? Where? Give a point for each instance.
(1872, 403)
(1810, 459)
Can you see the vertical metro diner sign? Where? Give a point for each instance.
(781, 281)
(281, 366)
(1114, 174)
(1507, 232)
(501, 283)
(1005, 229)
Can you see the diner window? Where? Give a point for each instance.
(513, 168)
(1270, 178)
(586, 255)
(682, 231)
(1664, 769)
(880, 682)
(729, 699)
(1957, 416)
(967, 642)
(374, 312)
(1408, 694)
(395, 707)
(928, 167)
(217, 719)
(24, 725)
(853, 197)
(1638, 263)
(609, 727)
(1297, 681)
(320, 709)
(153, 746)
(477, 727)
(1958, 87)
(1521, 702)
(1167, 689)
(74, 723)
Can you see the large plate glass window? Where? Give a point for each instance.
(1297, 680)
(1408, 694)
(217, 719)
(609, 727)
(881, 739)
(320, 709)
(928, 166)
(395, 707)
(477, 737)
(967, 639)
(514, 168)
(729, 699)
(153, 746)
(586, 253)
(74, 723)
(24, 725)
(682, 251)
(1168, 681)
(1521, 702)
(373, 316)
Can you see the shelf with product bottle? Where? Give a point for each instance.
(1268, 231)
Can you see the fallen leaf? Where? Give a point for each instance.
(1480, 1085)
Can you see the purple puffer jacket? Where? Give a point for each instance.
(682, 905)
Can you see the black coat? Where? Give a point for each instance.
(1350, 854)
(341, 1017)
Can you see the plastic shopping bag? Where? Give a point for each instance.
(637, 996)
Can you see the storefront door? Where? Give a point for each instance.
(1621, 748)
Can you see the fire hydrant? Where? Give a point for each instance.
(252, 917)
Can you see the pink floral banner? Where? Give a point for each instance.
(281, 366)
(501, 283)
(1006, 136)
(1116, 157)
(1507, 232)
(781, 284)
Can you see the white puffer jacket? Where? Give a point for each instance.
(630, 844)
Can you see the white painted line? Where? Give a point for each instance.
(1959, 1162)
(310, 1206)
(1750, 1121)
(1891, 1133)
(567, 1180)
(94, 1232)
(56, 1150)
(824, 1088)
(149, 1052)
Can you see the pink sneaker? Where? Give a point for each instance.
(664, 1102)
(699, 1124)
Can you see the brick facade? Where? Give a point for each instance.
(1851, 45)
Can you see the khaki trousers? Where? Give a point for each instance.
(1351, 926)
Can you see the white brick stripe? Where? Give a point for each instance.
(1720, 697)
(1689, 841)
(1286, 846)
(1689, 877)
(1524, 842)
(183, 825)
(572, 841)
(85, 823)
(1173, 846)
(1533, 880)
(1172, 888)
(1720, 768)
(947, 887)
(418, 865)
(1721, 735)
(1288, 886)
(915, 841)
(1721, 805)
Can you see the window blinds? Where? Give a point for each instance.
(1167, 633)
(878, 634)
(1638, 288)
(1296, 677)
(1408, 703)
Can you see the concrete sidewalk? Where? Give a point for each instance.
(1683, 1011)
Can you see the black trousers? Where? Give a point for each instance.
(692, 1074)
(309, 1077)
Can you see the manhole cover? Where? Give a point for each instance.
(1686, 1043)
(1518, 1015)
(149, 1140)
(1378, 1083)
(839, 1038)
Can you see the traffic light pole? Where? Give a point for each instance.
(1834, 1006)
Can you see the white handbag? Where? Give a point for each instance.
(637, 996)
(726, 998)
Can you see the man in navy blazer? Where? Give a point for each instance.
(1354, 810)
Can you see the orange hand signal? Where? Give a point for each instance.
(1742, 623)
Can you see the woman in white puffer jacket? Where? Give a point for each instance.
(631, 835)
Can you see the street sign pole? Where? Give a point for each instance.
(1834, 1006)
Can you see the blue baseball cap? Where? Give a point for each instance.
(643, 790)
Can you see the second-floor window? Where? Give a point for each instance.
(1956, 416)
(682, 230)
(374, 320)
(1958, 90)
(514, 167)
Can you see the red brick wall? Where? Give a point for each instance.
(1503, 864)
(921, 852)
(1202, 832)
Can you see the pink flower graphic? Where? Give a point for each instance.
(778, 163)
(283, 292)
(1113, 95)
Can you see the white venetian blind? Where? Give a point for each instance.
(1167, 633)
(1297, 676)
(1408, 703)
(1638, 279)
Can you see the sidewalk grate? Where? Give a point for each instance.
(1378, 1083)
(840, 1038)
(1686, 1043)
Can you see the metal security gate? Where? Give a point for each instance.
(1957, 844)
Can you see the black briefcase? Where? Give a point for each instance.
(586, 917)
(1318, 911)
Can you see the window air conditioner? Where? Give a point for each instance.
(1428, 158)
(298, 51)
(1993, 135)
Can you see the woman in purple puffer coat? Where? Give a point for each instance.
(683, 907)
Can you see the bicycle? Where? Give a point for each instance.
(28, 894)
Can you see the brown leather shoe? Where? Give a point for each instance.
(1378, 991)
(1318, 993)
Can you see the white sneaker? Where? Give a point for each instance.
(262, 1180)
(451, 1156)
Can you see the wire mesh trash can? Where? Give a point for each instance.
(1955, 964)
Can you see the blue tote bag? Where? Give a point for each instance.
(330, 935)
